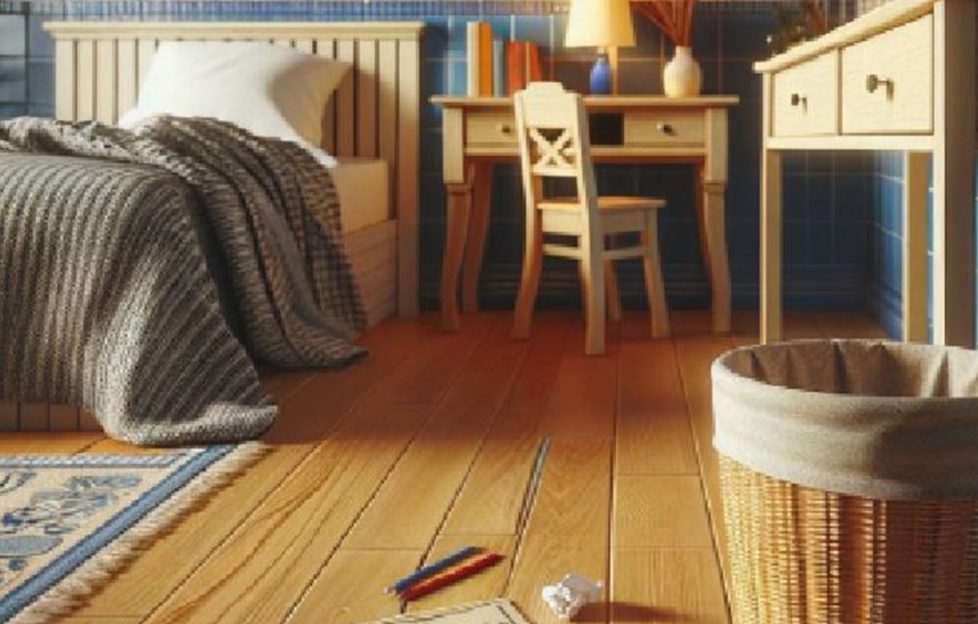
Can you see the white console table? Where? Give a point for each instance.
(899, 78)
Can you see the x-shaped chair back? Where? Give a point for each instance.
(553, 139)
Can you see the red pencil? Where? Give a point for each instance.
(473, 566)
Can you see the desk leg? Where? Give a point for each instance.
(456, 230)
(771, 223)
(713, 230)
(478, 227)
(916, 168)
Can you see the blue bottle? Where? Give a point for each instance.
(601, 77)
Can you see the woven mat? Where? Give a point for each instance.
(69, 522)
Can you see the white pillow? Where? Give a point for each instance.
(272, 91)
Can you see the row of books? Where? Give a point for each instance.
(495, 67)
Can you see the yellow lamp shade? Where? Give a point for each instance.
(599, 23)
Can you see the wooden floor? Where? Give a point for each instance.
(428, 445)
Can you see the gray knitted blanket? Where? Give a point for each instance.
(122, 256)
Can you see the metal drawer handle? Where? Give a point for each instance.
(873, 82)
(665, 128)
(797, 99)
(505, 128)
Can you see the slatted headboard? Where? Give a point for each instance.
(374, 113)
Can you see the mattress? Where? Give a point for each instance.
(361, 184)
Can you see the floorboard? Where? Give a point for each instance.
(449, 440)
(653, 433)
(568, 525)
(158, 572)
(60, 443)
(429, 445)
(262, 570)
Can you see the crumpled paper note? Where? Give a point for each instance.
(573, 591)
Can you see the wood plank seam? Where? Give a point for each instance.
(612, 490)
(612, 339)
(710, 512)
(260, 502)
(301, 595)
(485, 436)
(482, 443)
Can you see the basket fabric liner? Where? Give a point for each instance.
(876, 419)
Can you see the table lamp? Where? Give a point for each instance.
(604, 24)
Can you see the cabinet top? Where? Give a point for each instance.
(883, 17)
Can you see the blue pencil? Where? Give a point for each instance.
(431, 569)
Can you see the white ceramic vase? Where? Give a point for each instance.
(682, 76)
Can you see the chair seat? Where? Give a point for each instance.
(614, 202)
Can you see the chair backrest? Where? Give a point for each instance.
(553, 140)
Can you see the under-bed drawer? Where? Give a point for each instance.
(887, 81)
(806, 98)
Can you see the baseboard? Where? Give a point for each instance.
(827, 287)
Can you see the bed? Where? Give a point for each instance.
(371, 125)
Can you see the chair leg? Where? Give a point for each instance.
(592, 274)
(530, 280)
(652, 268)
(611, 280)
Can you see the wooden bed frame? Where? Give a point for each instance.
(374, 113)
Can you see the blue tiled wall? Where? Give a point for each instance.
(886, 286)
(828, 197)
(887, 242)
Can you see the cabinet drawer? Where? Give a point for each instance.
(490, 128)
(805, 98)
(664, 128)
(887, 81)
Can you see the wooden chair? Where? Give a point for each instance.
(553, 140)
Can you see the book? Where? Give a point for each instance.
(516, 65)
(472, 61)
(524, 65)
(498, 67)
(534, 70)
(485, 59)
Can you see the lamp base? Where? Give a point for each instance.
(601, 77)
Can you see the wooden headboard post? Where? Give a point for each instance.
(375, 112)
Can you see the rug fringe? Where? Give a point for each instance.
(65, 597)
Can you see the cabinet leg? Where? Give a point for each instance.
(916, 172)
(771, 224)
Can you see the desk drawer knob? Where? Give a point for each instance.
(665, 128)
(798, 99)
(874, 82)
(505, 128)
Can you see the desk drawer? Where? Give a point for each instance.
(887, 81)
(806, 98)
(490, 128)
(664, 128)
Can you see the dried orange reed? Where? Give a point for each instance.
(673, 17)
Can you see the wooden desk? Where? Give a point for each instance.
(479, 132)
(900, 77)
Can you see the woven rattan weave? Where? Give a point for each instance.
(799, 555)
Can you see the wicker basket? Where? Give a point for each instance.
(808, 544)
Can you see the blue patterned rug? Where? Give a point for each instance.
(68, 522)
